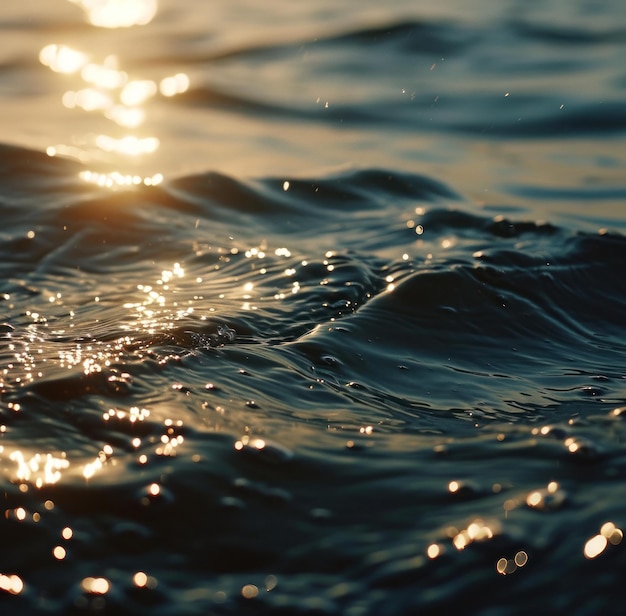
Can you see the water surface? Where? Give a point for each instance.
(312, 308)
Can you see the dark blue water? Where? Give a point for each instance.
(337, 329)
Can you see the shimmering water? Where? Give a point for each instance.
(312, 308)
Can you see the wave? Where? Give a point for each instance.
(393, 386)
(221, 347)
(478, 293)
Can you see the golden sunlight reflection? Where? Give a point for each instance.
(434, 550)
(126, 117)
(115, 179)
(118, 13)
(95, 586)
(135, 414)
(136, 93)
(39, 469)
(130, 146)
(246, 441)
(11, 583)
(175, 84)
(545, 499)
(609, 535)
(101, 86)
(454, 486)
(156, 301)
(62, 59)
(105, 75)
(91, 468)
(143, 580)
(595, 546)
(140, 579)
(67, 150)
(612, 533)
(87, 99)
(477, 530)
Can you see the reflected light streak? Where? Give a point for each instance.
(110, 91)
(134, 414)
(118, 13)
(88, 99)
(90, 469)
(130, 146)
(609, 535)
(246, 441)
(67, 150)
(433, 551)
(104, 75)
(595, 546)
(95, 586)
(476, 531)
(39, 469)
(11, 583)
(138, 92)
(176, 84)
(115, 179)
(143, 580)
(62, 59)
(128, 117)
(140, 579)
(612, 533)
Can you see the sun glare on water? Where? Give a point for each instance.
(103, 88)
(118, 13)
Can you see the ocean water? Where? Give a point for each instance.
(312, 308)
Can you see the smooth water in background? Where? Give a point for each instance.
(312, 307)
